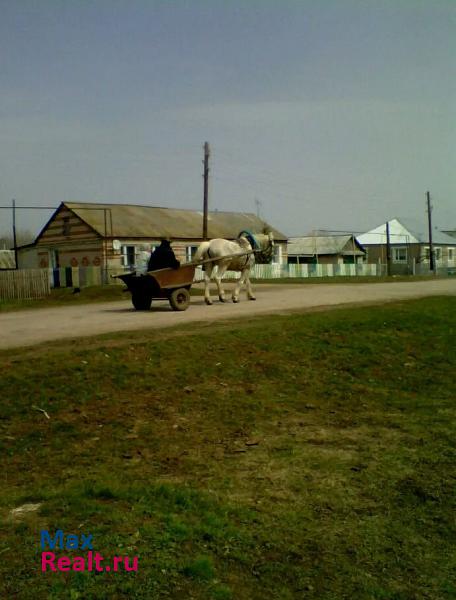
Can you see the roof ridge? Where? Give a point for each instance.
(230, 212)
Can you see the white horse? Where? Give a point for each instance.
(244, 248)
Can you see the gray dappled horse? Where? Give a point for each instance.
(246, 247)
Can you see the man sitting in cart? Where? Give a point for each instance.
(163, 257)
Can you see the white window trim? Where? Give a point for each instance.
(124, 250)
(188, 252)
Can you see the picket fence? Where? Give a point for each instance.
(24, 284)
(88, 276)
(276, 271)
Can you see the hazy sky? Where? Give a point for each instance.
(333, 114)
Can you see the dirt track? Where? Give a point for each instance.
(26, 328)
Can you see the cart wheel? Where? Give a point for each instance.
(141, 301)
(179, 299)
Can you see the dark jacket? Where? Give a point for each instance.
(163, 257)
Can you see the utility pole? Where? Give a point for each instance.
(431, 247)
(206, 186)
(14, 234)
(388, 249)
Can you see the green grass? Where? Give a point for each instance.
(301, 456)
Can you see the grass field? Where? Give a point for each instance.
(301, 456)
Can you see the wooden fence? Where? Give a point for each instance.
(24, 284)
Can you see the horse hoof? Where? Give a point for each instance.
(222, 299)
(235, 300)
(208, 302)
(253, 298)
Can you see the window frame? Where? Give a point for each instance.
(127, 254)
(190, 252)
(397, 249)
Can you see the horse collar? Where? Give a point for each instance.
(250, 238)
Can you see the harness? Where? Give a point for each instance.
(248, 235)
(262, 255)
(250, 238)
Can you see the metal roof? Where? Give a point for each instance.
(324, 244)
(405, 231)
(135, 221)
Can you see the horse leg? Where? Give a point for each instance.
(239, 284)
(207, 281)
(221, 270)
(248, 287)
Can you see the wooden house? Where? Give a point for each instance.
(116, 236)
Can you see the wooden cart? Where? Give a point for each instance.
(171, 284)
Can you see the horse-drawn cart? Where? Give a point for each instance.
(175, 284)
(171, 284)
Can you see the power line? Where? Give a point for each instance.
(31, 207)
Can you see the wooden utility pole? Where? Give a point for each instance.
(14, 234)
(388, 249)
(206, 188)
(431, 247)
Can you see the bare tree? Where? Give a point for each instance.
(23, 236)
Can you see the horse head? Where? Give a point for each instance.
(266, 253)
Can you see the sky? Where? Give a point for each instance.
(320, 114)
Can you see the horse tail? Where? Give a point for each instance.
(201, 252)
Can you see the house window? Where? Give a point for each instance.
(66, 226)
(128, 256)
(437, 253)
(400, 255)
(190, 253)
(450, 254)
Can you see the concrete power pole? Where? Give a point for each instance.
(206, 188)
(431, 247)
(388, 249)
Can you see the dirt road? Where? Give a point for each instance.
(26, 328)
